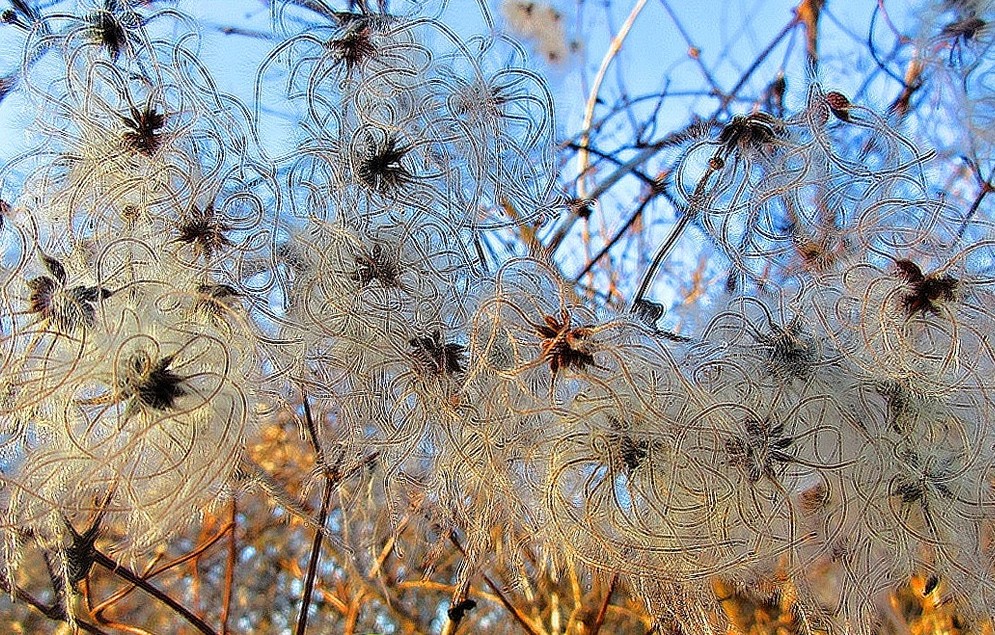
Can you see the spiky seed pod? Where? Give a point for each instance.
(564, 346)
(926, 291)
(434, 357)
(205, 231)
(150, 383)
(106, 27)
(143, 132)
(66, 308)
(381, 167)
(750, 133)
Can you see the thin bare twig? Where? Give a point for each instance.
(611, 158)
(592, 98)
(613, 178)
(152, 571)
(229, 569)
(675, 234)
(312, 567)
(655, 147)
(583, 158)
(872, 49)
(644, 202)
(520, 617)
(331, 478)
(761, 57)
(55, 611)
(599, 621)
(693, 51)
(128, 575)
(808, 12)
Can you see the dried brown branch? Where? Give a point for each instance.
(599, 621)
(129, 576)
(519, 616)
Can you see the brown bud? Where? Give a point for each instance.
(839, 105)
